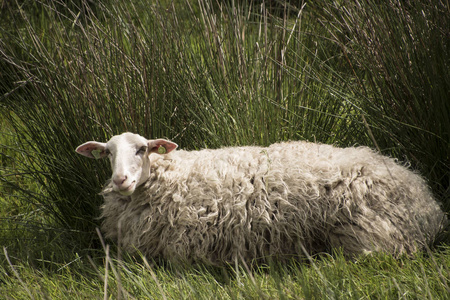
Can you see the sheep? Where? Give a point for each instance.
(254, 204)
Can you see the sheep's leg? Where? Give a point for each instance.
(364, 235)
(352, 239)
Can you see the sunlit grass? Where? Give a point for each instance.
(378, 276)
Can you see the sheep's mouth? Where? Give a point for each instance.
(126, 191)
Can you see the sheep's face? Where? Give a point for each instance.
(129, 155)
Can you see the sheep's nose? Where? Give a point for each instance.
(119, 180)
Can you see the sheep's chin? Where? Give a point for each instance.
(126, 193)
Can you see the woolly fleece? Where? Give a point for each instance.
(252, 204)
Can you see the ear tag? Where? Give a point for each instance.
(162, 150)
(96, 153)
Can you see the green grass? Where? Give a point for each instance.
(376, 277)
(205, 74)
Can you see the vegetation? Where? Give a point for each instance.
(208, 74)
(378, 277)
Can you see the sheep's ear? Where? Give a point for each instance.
(161, 146)
(92, 150)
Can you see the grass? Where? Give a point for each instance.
(327, 277)
(206, 74)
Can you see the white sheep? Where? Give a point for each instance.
(253, 203)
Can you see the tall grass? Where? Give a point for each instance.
(206, 74)
(399, 54)
(203, 77)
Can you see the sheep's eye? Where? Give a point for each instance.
(107, 152)
(141, 150)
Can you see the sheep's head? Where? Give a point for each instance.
(129, 155)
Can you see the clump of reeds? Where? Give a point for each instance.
(206, 74)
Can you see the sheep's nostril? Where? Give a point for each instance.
(119, 180)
